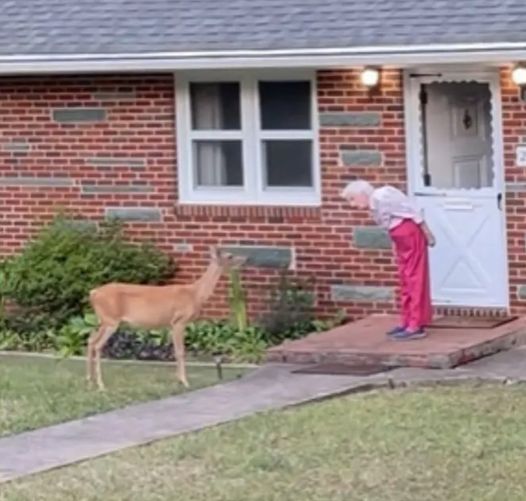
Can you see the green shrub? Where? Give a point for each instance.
(204, 338)
(52, 277)
(29, 340)
(213, 338)
(290, 310)
(72, 337)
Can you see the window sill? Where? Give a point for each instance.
(271, 212)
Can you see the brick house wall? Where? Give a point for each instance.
(514, 133)
(106, 145)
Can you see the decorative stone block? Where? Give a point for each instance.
(17, 147)
(515, 187)
(80, 224)
(114, 95)
(183, 247)
(90, 189)
(50, 182)
(369, 237)
(363, 158)
(150, 214)
(521, 291)
(263, 257)
(79, 115)
(361, 293)
(356, 119)
(110, 162)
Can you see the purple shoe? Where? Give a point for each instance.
(395, 331)
(407, 335)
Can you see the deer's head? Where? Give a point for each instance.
(225, 260)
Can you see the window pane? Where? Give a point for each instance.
(288, 163)
(457, 140)
(215, 106)
(285, 105)
(218, 163)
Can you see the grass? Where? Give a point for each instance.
(37, 392)
(446, 443)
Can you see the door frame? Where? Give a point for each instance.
(413, 143)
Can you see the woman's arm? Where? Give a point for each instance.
(429, 235)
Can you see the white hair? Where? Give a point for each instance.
(359, 187)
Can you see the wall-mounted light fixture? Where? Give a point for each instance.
(518, 75)
(370, 77)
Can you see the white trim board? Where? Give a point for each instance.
(394, 56)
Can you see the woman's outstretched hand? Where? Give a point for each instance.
(429, 236)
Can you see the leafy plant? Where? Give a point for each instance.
(33, 341)
(222, 338)
(237, 299)
(248, 345)
(290, 309)
(72, 337)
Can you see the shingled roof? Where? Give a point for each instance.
(106, 27)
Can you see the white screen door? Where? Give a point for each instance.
(455, 167)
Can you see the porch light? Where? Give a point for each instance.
(370, 77)
(518, 75)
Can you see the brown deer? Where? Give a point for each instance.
(151, 307)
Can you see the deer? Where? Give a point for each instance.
(153, 307)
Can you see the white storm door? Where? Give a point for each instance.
(456, 177)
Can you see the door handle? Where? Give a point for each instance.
(499, 201)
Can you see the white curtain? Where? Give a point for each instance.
(210, 158)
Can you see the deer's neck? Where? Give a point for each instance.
(207, 283)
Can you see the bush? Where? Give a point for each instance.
(52, 277)
(222, 338)
(39, 341)
(291, 311)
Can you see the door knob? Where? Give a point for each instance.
(499, 201)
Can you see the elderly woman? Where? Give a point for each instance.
(392, 210)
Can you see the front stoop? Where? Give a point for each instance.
(364, 341)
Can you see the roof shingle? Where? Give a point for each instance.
(34, 27)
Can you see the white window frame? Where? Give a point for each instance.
(253, 191)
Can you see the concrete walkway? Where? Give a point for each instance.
(270, 387)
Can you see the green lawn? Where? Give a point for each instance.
(37, 392)
(444, 444)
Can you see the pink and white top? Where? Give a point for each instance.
(389, 207)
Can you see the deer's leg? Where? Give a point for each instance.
(90, 360)
(178, 331)
(99, 345)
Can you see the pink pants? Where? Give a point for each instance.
(410, 246)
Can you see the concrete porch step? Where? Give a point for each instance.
(364, 341)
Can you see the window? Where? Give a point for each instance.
(247, 140)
